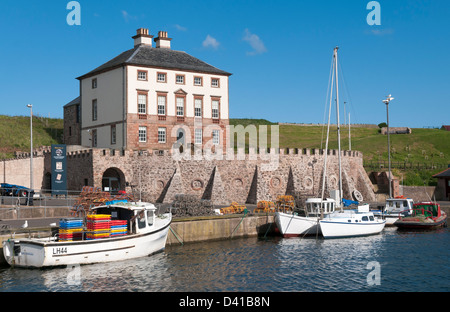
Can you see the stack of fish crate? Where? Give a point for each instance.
(70, 229)
(118, 228)
(98, 226)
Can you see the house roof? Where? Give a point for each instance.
(147, 56)
(73, 102)
(443, 174)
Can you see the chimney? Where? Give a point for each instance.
(142, 37)
(162, 41)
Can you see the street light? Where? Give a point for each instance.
(30, 106)
(389, 98)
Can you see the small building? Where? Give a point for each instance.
(396, 130)
(444, 127)
(443, 185)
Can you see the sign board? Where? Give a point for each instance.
(59, 171)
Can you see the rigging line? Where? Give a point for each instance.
(329, 93)
(346, 90)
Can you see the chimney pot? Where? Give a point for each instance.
(162, 41)
(142, 37)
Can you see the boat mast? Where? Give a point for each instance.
(326, 143)
(338, 124)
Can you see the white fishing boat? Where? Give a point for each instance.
(394, 208)
(143, 233)
(306, 223)
(350, 223)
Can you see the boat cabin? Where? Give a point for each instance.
(316, 206)
(399, 204)
(139, 217)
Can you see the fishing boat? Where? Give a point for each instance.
(118, 230)
(425, 215)
(395, 207)
(351, 223)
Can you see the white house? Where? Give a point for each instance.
(148, 97)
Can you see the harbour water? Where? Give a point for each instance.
(393, 261)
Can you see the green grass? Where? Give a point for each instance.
(15, 133)
(422, 146)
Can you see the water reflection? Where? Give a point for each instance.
(408, 262)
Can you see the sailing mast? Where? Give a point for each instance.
(338, 124)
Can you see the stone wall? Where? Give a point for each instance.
(247, 178)
(157, 176)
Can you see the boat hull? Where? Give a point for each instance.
(338, 229)
(39, 253)
(414, 223)
(291, 225)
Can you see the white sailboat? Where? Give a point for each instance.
(292, 224)
(348, 223)
(143, 233)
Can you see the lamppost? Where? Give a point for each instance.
(389, 98)
(30, 106)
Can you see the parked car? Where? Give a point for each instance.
(16, 190)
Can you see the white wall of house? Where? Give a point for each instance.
(170, 86)
(109, 94)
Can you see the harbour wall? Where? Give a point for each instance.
(158, 175)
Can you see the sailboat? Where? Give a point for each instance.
(306, 222)
(348, 223)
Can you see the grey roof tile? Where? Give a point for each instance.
(157, 57)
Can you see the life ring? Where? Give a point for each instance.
(357, 195)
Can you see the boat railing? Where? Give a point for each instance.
(416, 212)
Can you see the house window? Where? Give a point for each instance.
(94, 83)
(215, 82)
(142, 75)
(161, 135)
(161, 77)
(180, 106)
(161, 104)
(94, 138)
(113, 134)
(142, 103)
(70, 131)
(198, 81)
(198, 136)
(215, 109)
(180, 79)
(142, 134)
(216, 137)
(198, 107)
(94, 109)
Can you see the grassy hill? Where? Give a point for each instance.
(428, 149)
(424, 146)
(15, 133)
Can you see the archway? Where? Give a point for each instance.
(113, 180)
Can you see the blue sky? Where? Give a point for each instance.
(278, 51)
